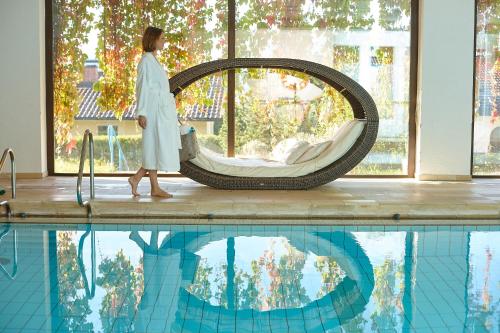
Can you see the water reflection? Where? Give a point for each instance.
(243, 303)
(4, 262)
(270, 268)
(216, 279)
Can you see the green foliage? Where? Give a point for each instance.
(339, 15)
(486, 164)
(120, 29)
(346, 60)
(394, 15)
(269, 122)
(131, 146)
(118, 279)
(73, 305)
(488, 16)
(390, 146)
(259, 121)
(331, 274)
(387, 295)
(212, 142)
(272, 282)
(376, 169)
(188, 43)
(201, 285)
(342, 14)
(72, 24)
(117, 53)
(71, 165)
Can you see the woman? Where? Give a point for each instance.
(157, 116)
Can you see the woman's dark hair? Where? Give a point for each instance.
(151, 34)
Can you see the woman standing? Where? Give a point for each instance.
(157, 116)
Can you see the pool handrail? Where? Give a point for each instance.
(10, 152)
(89, 292)
(14, 265)
(87, 137)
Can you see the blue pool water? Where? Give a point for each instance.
(175, 278)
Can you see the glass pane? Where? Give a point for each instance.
(97, 46)
(487, 90)
(273, 106)
(368, 40)
(205, 103)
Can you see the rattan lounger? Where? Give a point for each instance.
(361, 102)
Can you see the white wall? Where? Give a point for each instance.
(444, 100)
(444, 117)
(22, 83)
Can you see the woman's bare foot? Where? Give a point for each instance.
(133, 183)
(160, 193)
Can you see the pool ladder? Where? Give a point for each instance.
(89, 287)
(13, 273)
(9, 152)
(87, 137)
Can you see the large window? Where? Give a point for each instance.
(368, 40)
(96, 49)
(246, 112)
(486, 154)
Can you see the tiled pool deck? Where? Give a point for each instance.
(478, 199)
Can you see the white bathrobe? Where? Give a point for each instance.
(161, 139)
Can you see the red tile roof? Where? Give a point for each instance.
(89, 110)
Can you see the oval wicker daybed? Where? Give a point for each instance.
(204, 167)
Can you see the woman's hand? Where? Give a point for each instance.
(142, 122)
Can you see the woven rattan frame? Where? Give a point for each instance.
(361, 102)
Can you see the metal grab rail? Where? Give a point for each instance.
(10, 152)
(86, 137)
(14, 264)
(89, 291)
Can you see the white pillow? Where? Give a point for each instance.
(342, 142)
(313, 151)
(295, 151)
(282, 147)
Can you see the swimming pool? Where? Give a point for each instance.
(202, 278)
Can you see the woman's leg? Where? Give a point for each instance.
(156, 191)
(135, 179)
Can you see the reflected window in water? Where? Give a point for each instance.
(268, 273)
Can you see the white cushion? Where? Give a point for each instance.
(295, 151)
(282, 147)
(346, 126)
(342, 141)
(218, 163)
(313, 151)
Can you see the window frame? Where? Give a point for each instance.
(231, 36)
